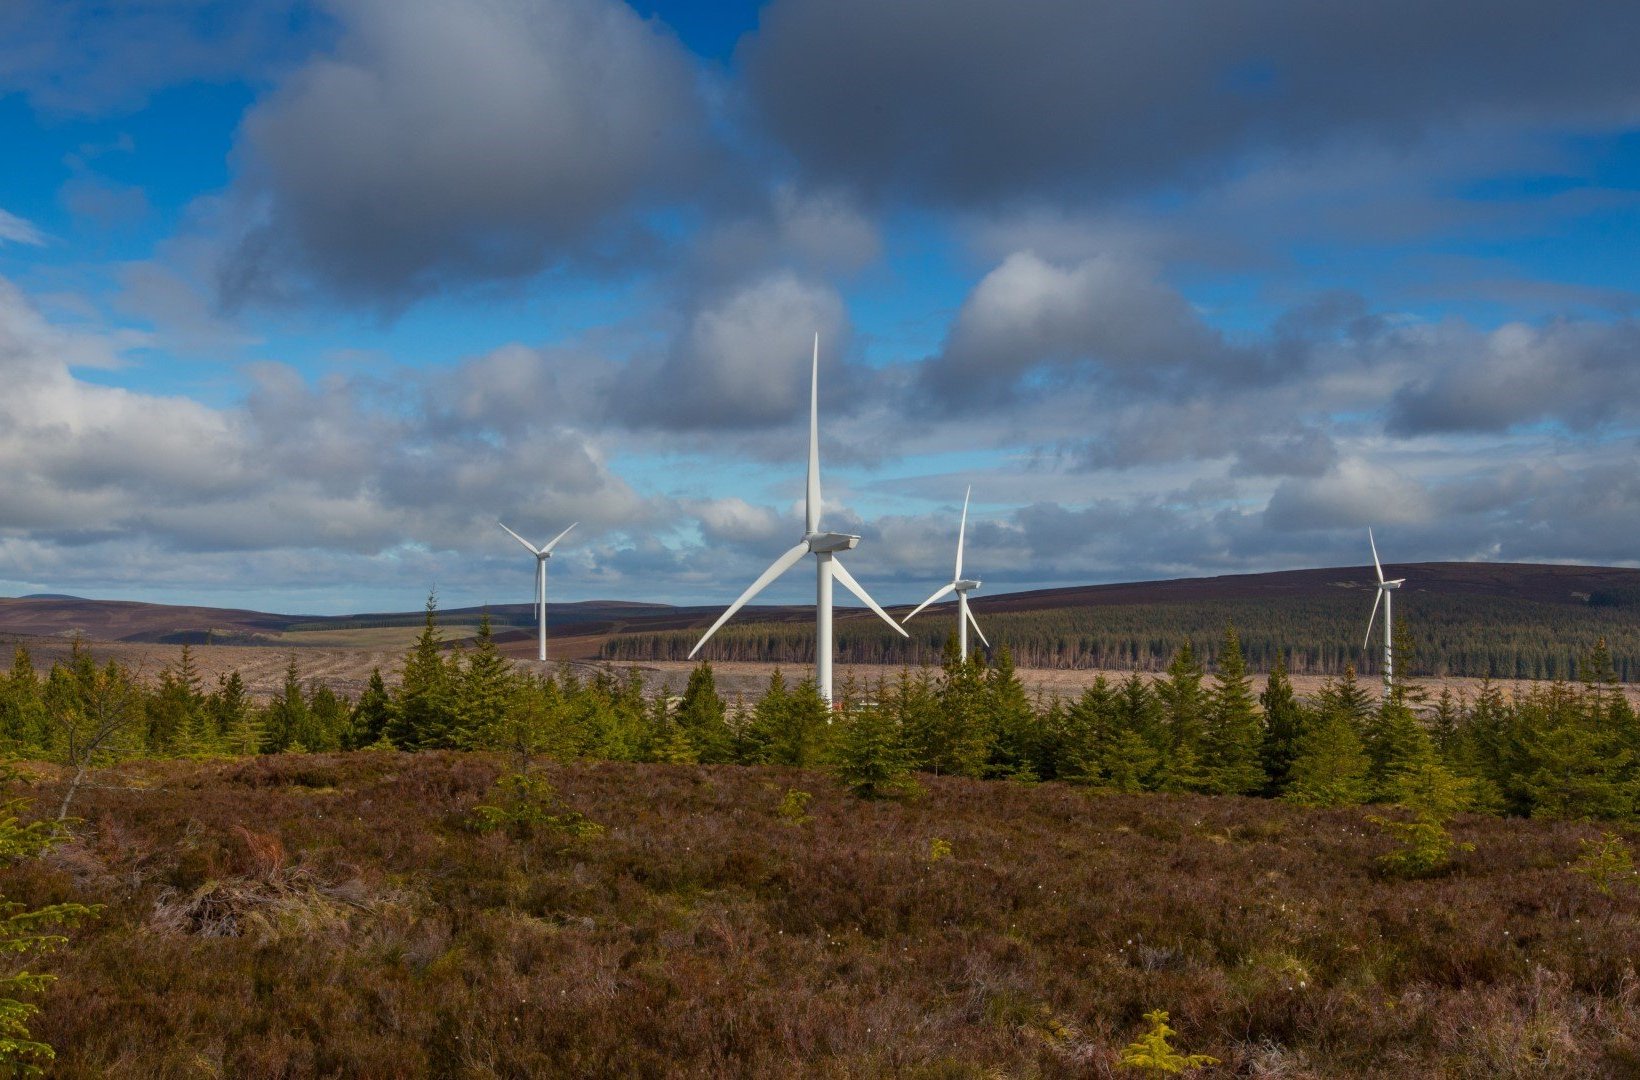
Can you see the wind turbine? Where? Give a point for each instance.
(824, 546)
(960, 586)
(1386, 593)
(542, 554)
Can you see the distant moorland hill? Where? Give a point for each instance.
(1504, 620)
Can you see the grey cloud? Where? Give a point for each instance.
(976, 101)
(442, 144)
(740, 362)
(1101, 320)
(1580, 374)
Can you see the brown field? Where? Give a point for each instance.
(331, 915)
(347, 669)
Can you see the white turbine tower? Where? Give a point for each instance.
(542, 554)
(960, 586)
(824, 546)
(1386, 593)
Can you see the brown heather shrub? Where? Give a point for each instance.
(329, 915)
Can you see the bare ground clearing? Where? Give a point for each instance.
(347, 670)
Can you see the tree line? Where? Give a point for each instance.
(1563, 749)
(1497, 637)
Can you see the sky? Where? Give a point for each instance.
(297, 300)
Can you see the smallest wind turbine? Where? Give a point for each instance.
(959, 585)
(542, 554)
(1386, 593)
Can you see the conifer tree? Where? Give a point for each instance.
(1235, 731)
(326, 721)
(703, 718)
(22, 707)
(1330, 768)
(424, 714)
(1017, 749)
(958, 742)
(1184, 708)
(372, 714)
(483, 691)
(789, 728)
(1283, 726)
(238, 727)
(287, 719)
(871, 758)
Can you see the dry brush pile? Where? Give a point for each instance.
(341, 915)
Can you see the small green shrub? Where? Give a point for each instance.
(1606, 862)
(525, 804)
(1152, 1053)
(794, 808)
(24, 932)
(938, 849)
(1426, 847)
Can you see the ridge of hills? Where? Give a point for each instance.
(137, 621)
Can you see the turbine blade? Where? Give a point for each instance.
(811, 504)
(527, 545)
(554, 541)
(840, 572)
(1368, 639)
(961, 529)
(975, 624)
(778, 567)
(1376, 565)
(941, 591)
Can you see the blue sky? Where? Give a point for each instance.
(297, 299)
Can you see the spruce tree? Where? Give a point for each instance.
(871, 757)
(424, 714)
(1184, 707)
(1235, 730)
(286, 720)
(703, 720)
(1330, 768)
(238, 727)
(483, 691)
(1283, 726)
(22, 708)
(1017, 750)
(372, 713)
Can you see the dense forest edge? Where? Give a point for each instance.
(1496, 637)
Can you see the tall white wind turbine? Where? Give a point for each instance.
(824, 546)
(542, 554)
(1386, 593)
(960, 586)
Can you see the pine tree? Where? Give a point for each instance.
(238, 727)
(424, 715)
(958, 741)
(703, 719)
(22, 708)
(1330, 768)
(1284, 726)
(1184, 706)
(871, 758)
(327, 717)
(483, 692)
(1235, 730)
(1016, 736)
(372, 714)
(789, 728)
(286, 719)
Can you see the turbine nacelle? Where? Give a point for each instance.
(1396, 584)
(965, 586)
(823, 543)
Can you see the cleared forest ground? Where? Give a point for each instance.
(347, 670)
(333, 915)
